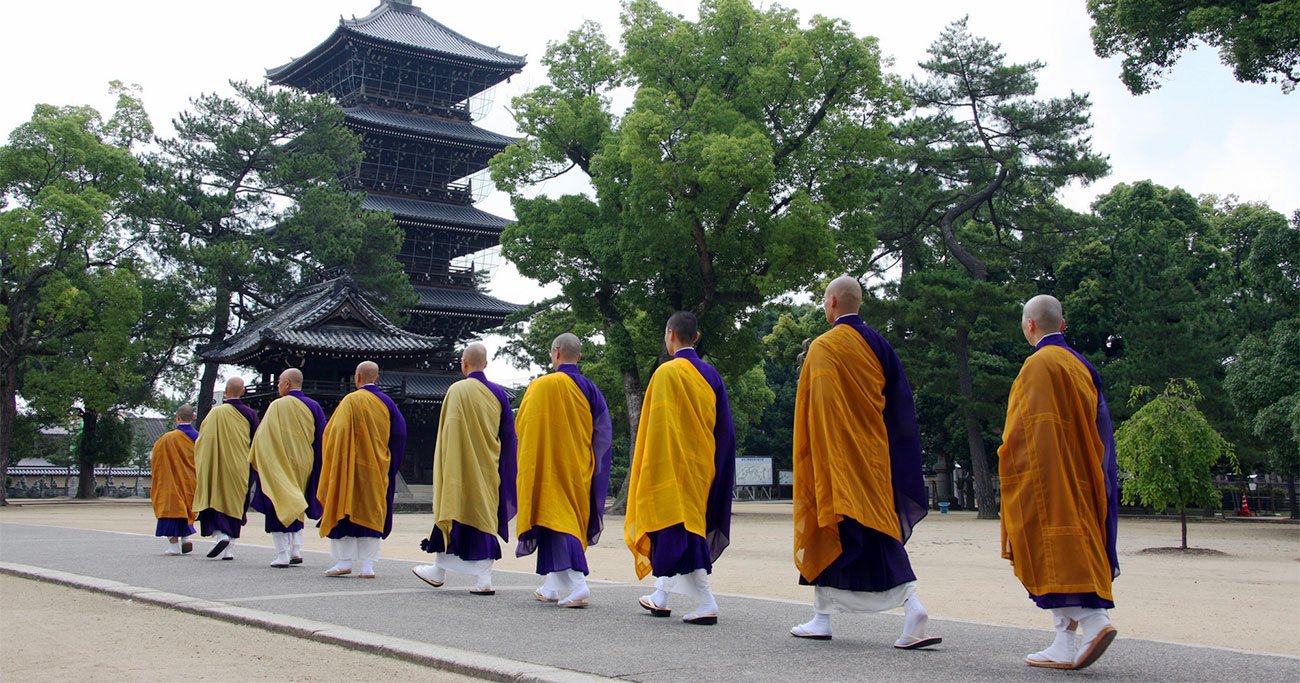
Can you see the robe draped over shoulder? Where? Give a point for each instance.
(284, 456)
(1053, 470)
(467, 478)
(856, 447)
(683, 466)
(221, 457)
(173, 481)
(562, 454)
(362, 447)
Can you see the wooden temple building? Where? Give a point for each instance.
(407, 85)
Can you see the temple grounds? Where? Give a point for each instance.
(1246, 599)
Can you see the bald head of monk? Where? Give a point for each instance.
(290, 380)
(1042, 316)
(234, 387)
(473, 359)
(681, 331)
(843, 297)
(566, 349)
(185, 414)
(367, 373)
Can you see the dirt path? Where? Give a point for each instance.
(1247, 599)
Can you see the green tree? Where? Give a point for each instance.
(1264, 382)
(974, 180)
(248, 200)
(1259, 39)
(67, 179)
(1167, 451)
(737, 174)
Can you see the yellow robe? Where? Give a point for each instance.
(842, 466)
(283, 456)
(556, 462)
(1053, 490)
(222, 459)
(466, 458)
(354, 463)
(172, 484)
(673, 464)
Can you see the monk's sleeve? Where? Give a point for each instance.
(906, 466)
(1110, 470)
(507, 469)
(602, 448)
(314, 507)
(718, 513)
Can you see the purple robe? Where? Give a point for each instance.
(263, 504)
(396, 449)
(869, 560)
(211, 521)
(558, 551)
(1110, 471)
(469, 543)
(177, 526)
(675, 550)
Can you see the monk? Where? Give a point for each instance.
(172, 487)
(1060, 493)
(565, 452)
(473, 477)
(222, 456)
(859, 488)
(683, 471)
(286, 456)
(361, 451)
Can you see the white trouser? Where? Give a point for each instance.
(453, 563)
(351, 548)
(838, 601)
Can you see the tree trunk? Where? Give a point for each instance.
(633, 394)
(8, 413)
(1290, 495)
(86, 455)
(979, 460)
(220, 328)
(1182, 515)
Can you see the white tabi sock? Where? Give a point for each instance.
(295, 544)
(173, 549)
(551, 586)
(819, 626)
(1063, 648)
(579, 584)
(281, 541)
(707, 606)
(914, 618)
(659, 598)
(229, 554)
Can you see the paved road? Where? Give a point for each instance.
(613, 637)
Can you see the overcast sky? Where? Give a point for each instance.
(1202, 131)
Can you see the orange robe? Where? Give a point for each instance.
(842, 466)
(173, 481)
(355, 464)
(1054, 500)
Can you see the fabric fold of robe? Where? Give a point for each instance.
(221, 457)
(285, 454)
(564, 454)
(362, 447)
(857, 461)
(173, 476)
(1053, 470)
(467, 474)
(683, 470)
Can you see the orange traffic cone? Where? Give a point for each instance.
(1245, 507)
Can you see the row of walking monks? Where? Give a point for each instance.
(858, 481)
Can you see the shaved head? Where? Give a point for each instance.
(294, 377)
(474, 358)
(185, 414)
(1041, 316)
(1045, 310)
(367, 373)
(567, 348)
(843, 297)
(234, 387)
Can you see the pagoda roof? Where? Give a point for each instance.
(461, 301)
(331, 317)
(404, 26)
(427, 126)
(452, 215)
(425, 387)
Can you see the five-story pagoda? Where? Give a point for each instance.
(406, 84)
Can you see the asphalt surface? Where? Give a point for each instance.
(613, 637)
